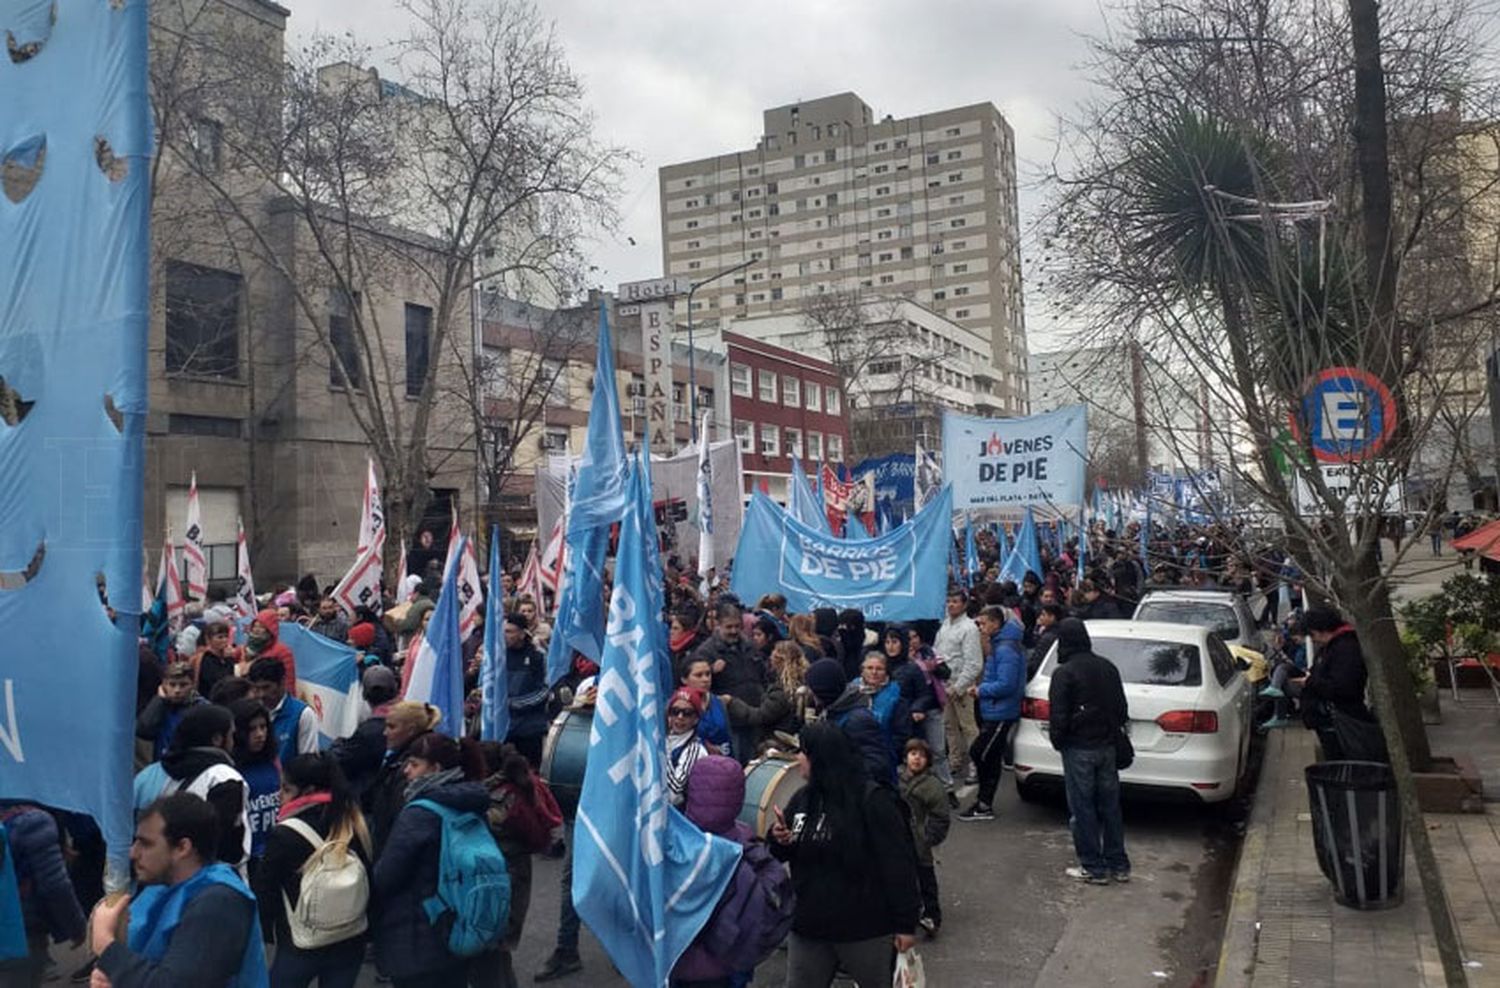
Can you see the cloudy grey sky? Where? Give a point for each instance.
(676, 80)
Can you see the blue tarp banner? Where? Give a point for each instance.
(899, 576)
(1004, 463)
(74, 253)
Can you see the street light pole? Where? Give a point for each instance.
(692, 352)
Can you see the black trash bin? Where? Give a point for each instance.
(1358, 832)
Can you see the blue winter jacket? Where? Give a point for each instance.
(48, 904)
(1004, 680)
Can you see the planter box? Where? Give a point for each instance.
(1453, 786)
(1470, 675)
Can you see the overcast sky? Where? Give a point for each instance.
(675, 80)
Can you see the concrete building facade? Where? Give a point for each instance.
(832, 199)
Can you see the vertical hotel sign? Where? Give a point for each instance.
(653, 300)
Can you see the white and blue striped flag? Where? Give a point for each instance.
(437, 676)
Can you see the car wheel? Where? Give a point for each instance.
(1030, 792)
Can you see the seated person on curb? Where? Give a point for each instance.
(193, 924)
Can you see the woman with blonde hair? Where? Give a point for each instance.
(317, 810)
(787, 699)
(405, 722)
(803, 630)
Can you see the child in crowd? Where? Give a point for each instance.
(927, 797)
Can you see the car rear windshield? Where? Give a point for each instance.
(1218, 618)
(1152, 663)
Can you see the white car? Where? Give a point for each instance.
(1221, 611)
(1190, 713)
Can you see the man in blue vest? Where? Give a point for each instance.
(193, 923)
(293, 723)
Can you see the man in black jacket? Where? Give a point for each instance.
(1087, 712)
(737, 671)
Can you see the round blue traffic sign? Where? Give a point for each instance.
(1345, 414)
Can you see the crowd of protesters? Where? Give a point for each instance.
(251, 835)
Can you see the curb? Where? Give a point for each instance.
(1242, 924)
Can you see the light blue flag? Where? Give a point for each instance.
(1002, 542)
(1025, 554)
(971, 551)
(74, 257)
(438, 674)
(655, 574)
(327, 680)
(802, 503)
(494, 683)
(645, 879)
(597, 502)
(855, 529)
(1083, 546)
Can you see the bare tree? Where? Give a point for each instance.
(480, 165)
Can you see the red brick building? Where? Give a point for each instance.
(784, 405)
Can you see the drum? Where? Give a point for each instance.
(564, 754)
(769, 782)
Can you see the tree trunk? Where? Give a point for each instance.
(1377, 633)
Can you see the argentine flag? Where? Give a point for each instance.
(437, 675)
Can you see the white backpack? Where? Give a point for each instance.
(334, 896)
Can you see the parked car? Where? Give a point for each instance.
(1190, 713)
(1223, 612)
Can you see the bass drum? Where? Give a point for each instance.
(564, 754)
(769, 782)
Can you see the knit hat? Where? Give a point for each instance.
(362, 635)
(826, 679)
(692, 695)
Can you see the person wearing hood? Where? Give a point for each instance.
(411, 949)
(847, 707)
(1088, 710)
(826, 624)
(405, 723)
(746, 917)
(921, 699)
(853, 640)
(998, 695)
(262, 641)
(255, 757)
(200, 763)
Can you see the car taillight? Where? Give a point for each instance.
(1033, 709)
(1189, 722)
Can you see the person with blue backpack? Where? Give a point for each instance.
(440, 892)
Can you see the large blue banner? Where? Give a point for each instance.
(1010, 463)
(898, 576)
(75, 136)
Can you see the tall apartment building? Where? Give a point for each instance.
(830, 199)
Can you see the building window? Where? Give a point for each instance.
(832, 154)
(882, 190)
(815, 445)
(494, 371)
(794, 443)
(957, 200)
(932, 159)
(767, 385)
(770, 440)
(886, 256)
(691, 204)
(955, 177)
(951, 132)
(885, 366)
(345, 369)
(906, 253)
(961, 314)
(203, 319)
(836, 449)
(960, 268)
(205, 139)
(204, 425)
(881, 146)
(418, 347)
(692, 224)
(554, 440)
(960, 290)
(791, 392)
(882, 169)
(939, 295)
(775, 294)
(832, 401)
(887, 279)
(958, 223)
(813, 397)
(955, 155)
(555, 379)
(744, 434)
(739, 380)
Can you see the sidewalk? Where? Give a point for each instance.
(1284, 928)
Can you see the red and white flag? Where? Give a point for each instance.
(360, 587)
(192, 545)
(372, 516)
(554, 559)
(531, 582)
(166, 575)
(244, 591)
(470, 588)
(403, 594)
